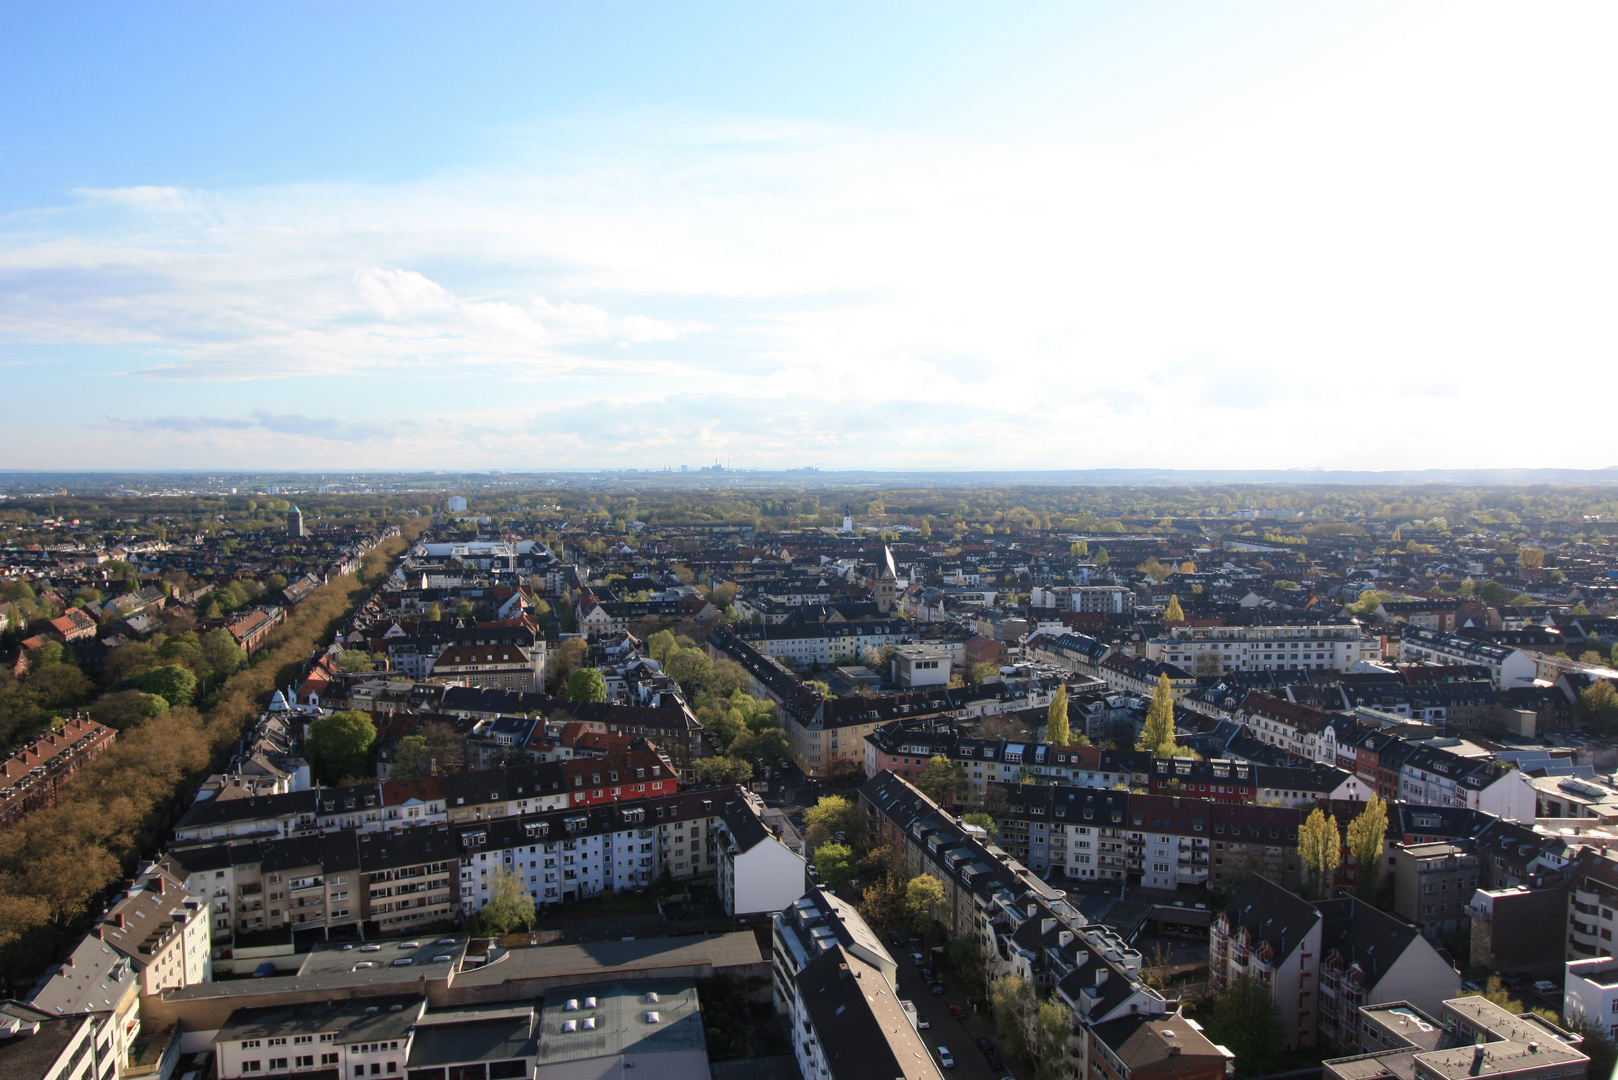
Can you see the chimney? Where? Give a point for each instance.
(118, 917)
(157, 884)
(842, 971)
(1478, 1054)
(70, 961)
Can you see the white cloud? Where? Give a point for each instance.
(1408, 231)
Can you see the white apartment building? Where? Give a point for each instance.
(1215, 650)
(1590, 991)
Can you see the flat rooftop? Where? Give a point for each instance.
(608, 1019)
(606, 959)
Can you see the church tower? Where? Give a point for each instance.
(295, 522)
(887, 582)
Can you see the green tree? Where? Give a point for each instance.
(835, 814)
(1101, 557)
(509, 908)
(1597, 707)
(408, 757)
(355, 661)
(690, 668)
(939, 780)
(1158, 733)
(586, 684)
(924, 897)
(1247, 1020)
(340, 744)
(435, 613)
(173, 684)
(221, 653)
(1320, 849)
(660, 646)
(275, 583)
(1053, 1024)
(834, 863)
(1364, 841)
(1079, 549)
(1012, 1004)
(723, 770)
(1056, 725)
(128, 708)
(1598, 1044)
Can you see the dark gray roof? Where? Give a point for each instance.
(746, 828)
(361, 1020)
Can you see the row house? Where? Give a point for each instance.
(1160, 842)
(670, 726)
(568, 855)
(252, 630)
(392, 805)
(492, 667)
(825, 644)
(1077, 653)
(1323, 961)
(1140, 675)
(1303, 732)
(1508, 666)
(32, 777)
(978, 877)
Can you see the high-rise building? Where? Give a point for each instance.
(295, 522)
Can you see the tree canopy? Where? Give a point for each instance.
(340, 744)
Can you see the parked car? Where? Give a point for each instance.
(944, 1058)
(936, 987)
(1547, 988)
(922, 1023)
(986, 1044)
(959, 1012)
(918, 959)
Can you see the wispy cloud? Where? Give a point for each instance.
(316, 427)
(1220, 289)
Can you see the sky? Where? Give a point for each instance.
(848, 235)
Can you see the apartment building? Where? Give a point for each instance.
(757, 872)
(847, 1023)
(299, 883)
(408, 879)
(1216, 650)
(812, 925)
(1156, 841)
(506, 666)
(1323, 961)
(1432, 884)
(979, 878)
(32, 777)
(1508, 666)
(39, 1045)
(1471, 1039)
(1590, 992)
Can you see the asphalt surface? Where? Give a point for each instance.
(960, 1036)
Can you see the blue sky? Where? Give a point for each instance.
(926, 236)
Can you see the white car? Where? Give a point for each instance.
(1547, 988)
(922, 1023)
(944, 1058)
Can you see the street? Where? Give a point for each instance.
(960, 1037)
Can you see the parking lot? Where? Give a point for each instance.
(959, 1036)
